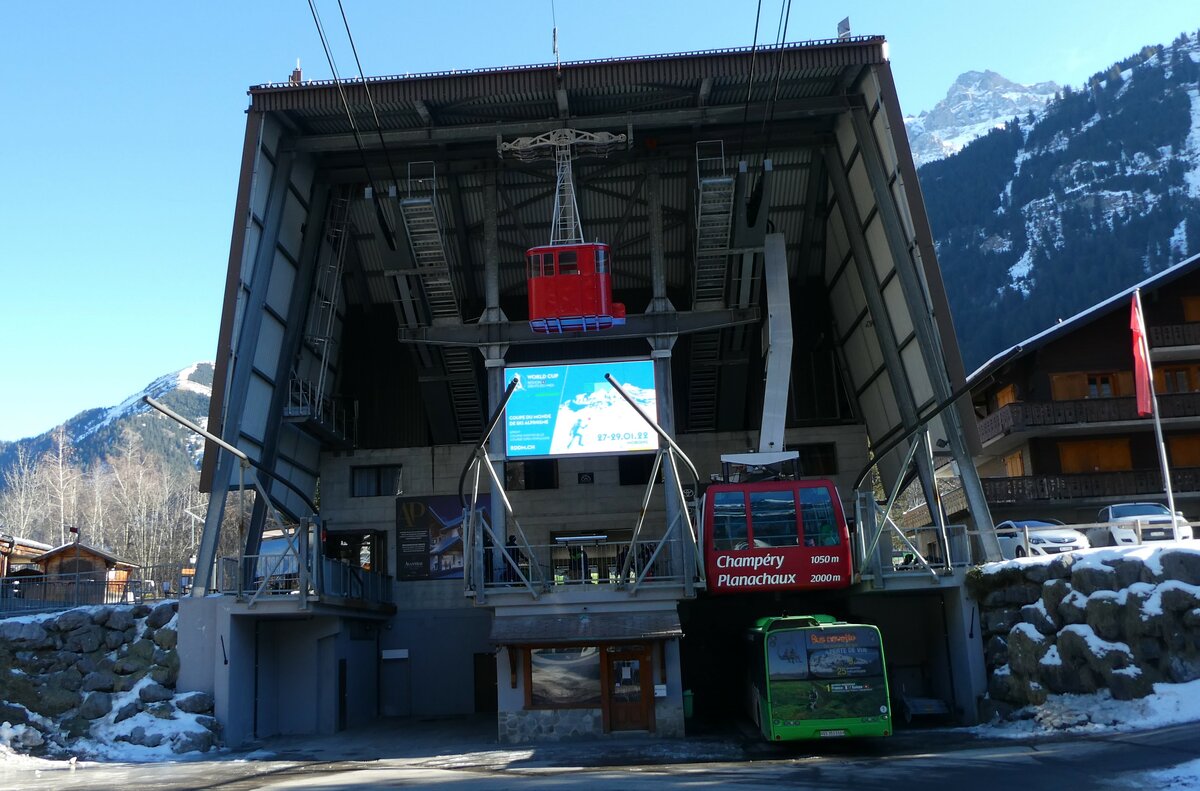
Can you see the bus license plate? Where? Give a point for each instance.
(832, 733)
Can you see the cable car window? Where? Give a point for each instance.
(601, 260)
(729, 521)
(774, 519)
(568, 263)
(535, 265)
(818, 518)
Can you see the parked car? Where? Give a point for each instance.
(1045, 538)
(1119, 523)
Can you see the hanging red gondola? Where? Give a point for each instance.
(570, 288)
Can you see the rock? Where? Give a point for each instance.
(209, 722)
(1025, 593)
(25, 635)
(1026, 646)
(1129, 571)
(1071, 610)
(166, 676)
(140, 611)
(994, 599)
(139, 736)
(994, 710)
(161, 614)
(1089, 579)
(1129, 683)
(12, 714)
(66, 679)
(1176, 599)
(1180, 565)
(167, 658)
(99, 615)
(113, 640)
(154, 693)
(166, 638)
(162, 710)
(1105, 616)
(1060, 567)
(142, 649)
(999, 621)
(995, 653)
(132, 665)
(194, 702)
(96, 705)
(85, 639)
(1181, 668)
(120, 619)
(127, 711)
(1037, 573)
(1035, 614)
(77, 727)
(71, 620)
(99, 682)
(1063, 678)
(53, 701)
(193, 741)
(1053, 592)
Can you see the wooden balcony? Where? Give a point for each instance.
(1024, 416)
(1084, 486)
(1174, 335)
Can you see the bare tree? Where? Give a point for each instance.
(23, 503)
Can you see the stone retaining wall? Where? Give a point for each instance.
(1120, 619)
(102, 673)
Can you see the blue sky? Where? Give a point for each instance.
(123, 126)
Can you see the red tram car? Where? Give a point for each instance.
(775, 536)
(570, 288)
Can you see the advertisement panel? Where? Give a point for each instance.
(826, 674)
(429, 540)
(570, 409)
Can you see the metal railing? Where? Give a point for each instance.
(278, 576)
(617, 563)
(52, 592)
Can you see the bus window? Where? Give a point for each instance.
(787, 657)
(568, 263)
(729, 520)
(601, 260)
(773, 516)
(818, 518)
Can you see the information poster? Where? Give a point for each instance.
(572, 410)
(429, 539)
(826, 674)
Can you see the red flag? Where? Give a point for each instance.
(1141, 360)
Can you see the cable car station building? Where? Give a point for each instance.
(739, 247)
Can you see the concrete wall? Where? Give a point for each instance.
(438, 676)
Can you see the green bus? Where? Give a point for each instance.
(815, 677)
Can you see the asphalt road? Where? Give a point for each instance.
(936, 759)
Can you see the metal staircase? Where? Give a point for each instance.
(309, 403)
(432, 263)
(714, 215)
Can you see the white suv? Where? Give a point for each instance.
(1123, 519)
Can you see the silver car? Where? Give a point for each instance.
(1044, 538)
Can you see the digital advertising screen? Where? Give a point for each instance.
(570, 409)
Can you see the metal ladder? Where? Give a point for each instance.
(714, 219)
(423, 226)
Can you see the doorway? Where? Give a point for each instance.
(629, 688)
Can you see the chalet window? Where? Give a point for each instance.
(1100, 386)
(1005, 396)
(375, 481)
(1176, 379)
(532, 474)
(1094, 455)
(1184, 450)
(1191, 308)
(1076, 386)
(1014, 465)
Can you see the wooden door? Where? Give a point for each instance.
(629, 690)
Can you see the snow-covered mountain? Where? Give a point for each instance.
(1068, 205)
(977, 103)
(97, 433)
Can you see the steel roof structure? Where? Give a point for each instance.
(350, 321)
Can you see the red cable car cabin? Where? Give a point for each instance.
(570, 288)
(795, 538)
